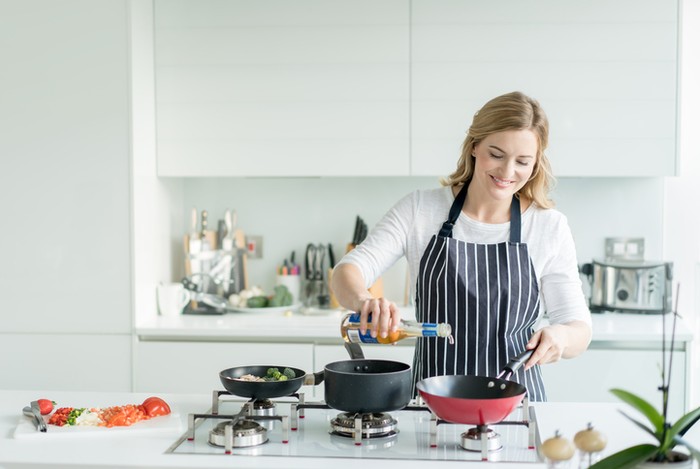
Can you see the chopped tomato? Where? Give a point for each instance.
(155, 406)
(122, 416)
(60, 416)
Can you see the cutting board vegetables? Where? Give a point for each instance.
(153, 415)
(166, 424)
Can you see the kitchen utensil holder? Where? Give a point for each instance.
(316, 294)
(215, 272)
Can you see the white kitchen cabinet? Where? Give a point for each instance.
(324, 354)
(589, 377)
(604, 71)
(313, 88)
(65, 362)
(193, 367)
(278, 88)
(65, 167)
(64, 183)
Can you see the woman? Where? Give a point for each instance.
(488, 255)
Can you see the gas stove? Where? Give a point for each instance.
(289, 427)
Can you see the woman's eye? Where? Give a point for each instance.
(498, 157)
(523, 163)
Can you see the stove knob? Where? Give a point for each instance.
(622, 295)
(557, 450)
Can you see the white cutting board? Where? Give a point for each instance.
(165, 424)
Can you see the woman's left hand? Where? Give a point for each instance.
(552, 343)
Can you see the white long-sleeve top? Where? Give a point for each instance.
(407, 227)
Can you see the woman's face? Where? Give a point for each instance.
(504, 162)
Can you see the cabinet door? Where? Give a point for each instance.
(589, 377)
(279, 88)
(193, 367)
(66, 362)
(324, 354)
(604, 71)
(64, 177)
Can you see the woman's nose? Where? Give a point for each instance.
(508, 166)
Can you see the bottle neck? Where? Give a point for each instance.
(427, 329)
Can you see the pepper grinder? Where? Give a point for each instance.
(558, 451)
(590, 443)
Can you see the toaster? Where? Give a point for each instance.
(630, 286)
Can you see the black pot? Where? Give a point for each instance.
(364, 386)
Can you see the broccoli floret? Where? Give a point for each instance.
(271, 372)
(282, 296)
(282, 378)
(289, 373)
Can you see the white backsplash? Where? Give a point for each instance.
(291, 212)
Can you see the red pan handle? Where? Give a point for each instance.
(513, 365)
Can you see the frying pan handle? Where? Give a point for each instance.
(515, 363)
(355, 351)
(313, 379)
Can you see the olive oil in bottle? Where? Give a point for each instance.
(350, 331)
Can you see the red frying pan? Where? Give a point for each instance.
(474, 400)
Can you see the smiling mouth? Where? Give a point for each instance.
(502, 182)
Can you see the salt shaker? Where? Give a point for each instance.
(558, 451)
(590, 442)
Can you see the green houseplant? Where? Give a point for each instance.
(668, 435)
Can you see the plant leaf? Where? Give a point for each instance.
(642, 426)
(686, 422)
(693, 452)
(679, 428)
(656, 419)
(627, 458)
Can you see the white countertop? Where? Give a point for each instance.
(129, 450)
(324, 328)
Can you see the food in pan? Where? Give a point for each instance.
(273, 374)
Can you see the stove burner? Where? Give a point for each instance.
(472, 439)
(262, 407)
(244, 433)
(373, 425)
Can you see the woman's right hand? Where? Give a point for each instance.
(386, 316)
(349, 287)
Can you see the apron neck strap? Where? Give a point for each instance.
(456, 209)
(515, 220)
(446, 230)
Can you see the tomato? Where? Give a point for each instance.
(117, 420)
(155, 406)
(45, 406)
(60, 416)
(122, 416)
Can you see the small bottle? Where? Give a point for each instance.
(350, 331)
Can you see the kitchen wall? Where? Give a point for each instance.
(291, 212)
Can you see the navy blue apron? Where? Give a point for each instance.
(488, 293)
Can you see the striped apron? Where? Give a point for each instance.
(488, 293)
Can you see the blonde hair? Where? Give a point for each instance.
(511, 111)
